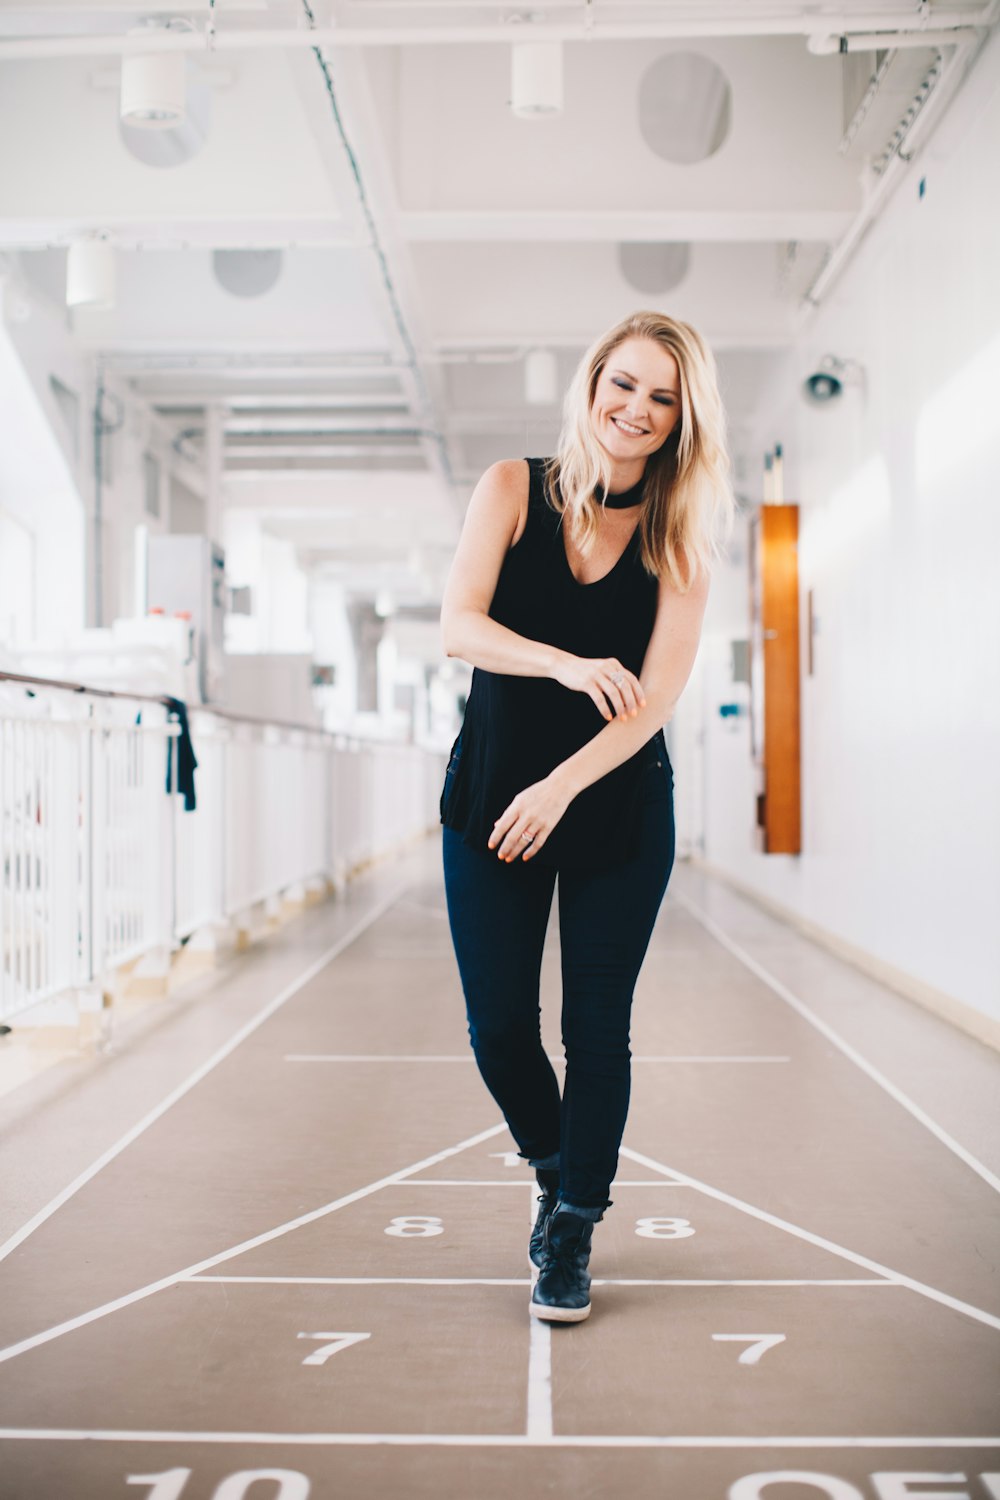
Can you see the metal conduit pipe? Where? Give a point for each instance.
(878, 41)
(737, 24)
(954, 70)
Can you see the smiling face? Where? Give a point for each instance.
(637, 402)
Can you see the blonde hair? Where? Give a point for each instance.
(688, 504)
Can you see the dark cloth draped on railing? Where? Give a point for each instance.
(186, 761)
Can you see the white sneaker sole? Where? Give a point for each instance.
(559, 1314)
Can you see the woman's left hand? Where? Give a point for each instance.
(534, 811)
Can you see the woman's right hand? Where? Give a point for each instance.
(593, 675)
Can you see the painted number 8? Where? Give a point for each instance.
(663, 1229)
(414, 1224)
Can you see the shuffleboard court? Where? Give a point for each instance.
(308, 1277)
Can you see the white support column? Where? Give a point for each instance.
(215, 463)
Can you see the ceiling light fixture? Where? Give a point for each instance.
(153, 92)
(90, 273)
(536, 79)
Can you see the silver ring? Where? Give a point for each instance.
(618, 677)
(529, 837)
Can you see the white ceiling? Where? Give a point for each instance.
(385, 368)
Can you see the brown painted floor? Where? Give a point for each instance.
(299, 1268)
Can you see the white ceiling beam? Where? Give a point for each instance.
(738, 21)
(451, 350)
(160, 233)
(243, 363)
(387, 461)
(307, 423)
(588, 225)
(262, 450)
(284, 408)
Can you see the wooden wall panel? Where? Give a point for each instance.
(775, 694)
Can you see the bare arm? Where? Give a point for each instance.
(666, 667)
(466, 628)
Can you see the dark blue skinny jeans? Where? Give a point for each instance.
(498, 915)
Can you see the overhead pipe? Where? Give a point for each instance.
(739, 24)
(953, 71)
(879, 41)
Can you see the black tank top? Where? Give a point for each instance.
(518, 729)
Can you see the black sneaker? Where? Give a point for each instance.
(548, 1181)
(536, 1245)
(562, 1292)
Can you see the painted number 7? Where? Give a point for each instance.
(339, 1341)
(759, 1344)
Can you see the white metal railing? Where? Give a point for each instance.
(99, 865)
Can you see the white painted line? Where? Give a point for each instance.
(539, 1379)
(920, 1287)
(365, 1280)
(518, 1182)
(368, 1057)
(440, 1057)
(196, 1077)
(539, 1414)
(261, 1239)
(479, 1440)
(880, 1281)
(784, 993)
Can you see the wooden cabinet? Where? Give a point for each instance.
(774, 677)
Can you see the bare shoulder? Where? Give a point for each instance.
(503, 488)
(493, 523)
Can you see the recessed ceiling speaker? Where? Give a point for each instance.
(90, 274)
(246, 273)
(685, 107)
(536, 79)
(650, 267)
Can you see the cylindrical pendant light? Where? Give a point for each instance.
(540, 377)
(90, 274)
(153, 89)
(536, 79)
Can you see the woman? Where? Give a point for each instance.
(577, 592)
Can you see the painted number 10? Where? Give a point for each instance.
(291, 1485)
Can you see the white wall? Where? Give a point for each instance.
(334, 646)
(47, 481)
(38, 489)
(899, 539)
(279, 589)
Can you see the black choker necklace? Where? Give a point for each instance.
(625, 499)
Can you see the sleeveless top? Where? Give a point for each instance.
(518, 729)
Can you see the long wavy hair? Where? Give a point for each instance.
(688, 505)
